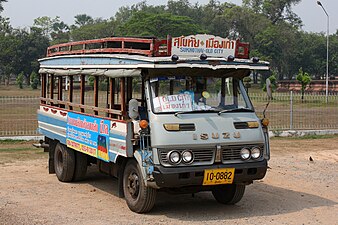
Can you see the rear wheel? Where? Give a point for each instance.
(64, 163)
(139, 198)
(228, 194)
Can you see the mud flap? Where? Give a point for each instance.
(122, 165)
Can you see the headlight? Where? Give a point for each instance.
(187, 156)
(255, 153)
(245, 153)
(174, 157)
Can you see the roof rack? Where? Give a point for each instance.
(147, 46)
(129, 45)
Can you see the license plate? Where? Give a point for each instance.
(219, 176)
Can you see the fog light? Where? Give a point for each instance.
(255, 153)
(174, 157)
(187, 156)
(245, 153)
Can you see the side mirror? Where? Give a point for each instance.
(133, 109)
(268, 88)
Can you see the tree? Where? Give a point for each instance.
(5, 27)
(126, 12)
(19, 80)
(275, 10)
(8, 56)
(304, 79)
(34, 80)
(60, 33)
(46, 24)
(243, 23)
(333, 49)
(96, 30)
(159, 25)
(83, 20)
(1, 7)
(277, 43)
(30, 47)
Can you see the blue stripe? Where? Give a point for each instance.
(112, 157)
(52, 135)
(116, 136)
(51, 120)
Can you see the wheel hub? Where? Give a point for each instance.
(133, 185)
(59, 161)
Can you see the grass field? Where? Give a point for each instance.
(13, 151)
(14, 91)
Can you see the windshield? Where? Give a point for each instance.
(184, 94)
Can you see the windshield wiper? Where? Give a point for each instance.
(235, 110)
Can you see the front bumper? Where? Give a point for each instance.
(193, 176)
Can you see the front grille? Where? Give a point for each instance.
(231, 153)
(206, 156)
(203, 156)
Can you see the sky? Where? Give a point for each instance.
(23, 12)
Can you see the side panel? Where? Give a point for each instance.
(52, 123)
(88, 135)
(98, 137)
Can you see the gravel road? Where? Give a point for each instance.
(294, 191)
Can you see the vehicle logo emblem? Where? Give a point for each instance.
(204, 136)
(215, 136)
(226, 135)
(237, 135)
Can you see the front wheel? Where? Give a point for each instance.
(139, 198)
(228, 194)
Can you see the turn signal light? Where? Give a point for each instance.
(253, 124)
(265, 122)
(144, 124)
(172, 126)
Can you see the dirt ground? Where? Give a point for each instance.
(294, 191)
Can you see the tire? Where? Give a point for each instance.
(139, 198)
(80, 166)
(228, 194)
(64, 163)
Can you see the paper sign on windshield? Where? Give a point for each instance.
(173, 103)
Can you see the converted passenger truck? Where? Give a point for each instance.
(160, 115)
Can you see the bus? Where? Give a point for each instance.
(167, 115)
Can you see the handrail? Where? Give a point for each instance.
(129, 45)
(98, 109)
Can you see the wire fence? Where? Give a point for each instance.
(18, 116)
(286, 111)
(291, 111)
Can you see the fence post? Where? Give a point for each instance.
(291, 110)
